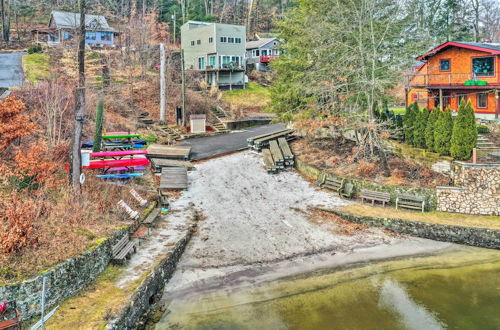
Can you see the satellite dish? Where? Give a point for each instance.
(82, 178)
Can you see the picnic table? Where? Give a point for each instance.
(117, 154)
(105, 165)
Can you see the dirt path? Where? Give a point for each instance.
(257, 228)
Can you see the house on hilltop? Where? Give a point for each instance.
(262, 51)
(454, 71)
(217, 51)
(63, 29)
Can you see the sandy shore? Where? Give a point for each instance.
(257, 228)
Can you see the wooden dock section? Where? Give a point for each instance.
(173, 178)
(169, 152)
(159, 163)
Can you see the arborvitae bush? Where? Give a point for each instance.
(442, 132)
(429, 129)
(419, 128)
(409, 122)
(464, 135)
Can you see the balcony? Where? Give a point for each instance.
(267, 58)
(452, 81)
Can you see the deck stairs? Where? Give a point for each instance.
(483, 143)
(220, 116)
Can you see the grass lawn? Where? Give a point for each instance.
(443, 218)
(93, 306)
(398, 111)
(254, 95)
(36, 67)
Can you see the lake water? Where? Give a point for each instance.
(453, 290)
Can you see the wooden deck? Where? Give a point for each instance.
(173, 178)
(169, 152)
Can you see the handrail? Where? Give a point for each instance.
(448, 78)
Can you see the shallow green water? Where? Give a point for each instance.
(459, 290)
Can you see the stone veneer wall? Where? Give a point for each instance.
(429, 194)
(63, 280)
(477, 190)
(480, 237)
(147, 293)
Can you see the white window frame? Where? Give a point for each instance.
(223, 39)
(202, 65)
(192, 43)
(230, 40)
(214, 62)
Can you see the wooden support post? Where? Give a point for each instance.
(474, 155)
(497, 108)
(406, 98)
(441, 99)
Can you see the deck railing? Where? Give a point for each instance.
(450, 79)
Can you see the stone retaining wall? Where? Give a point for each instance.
(480, 237)
(147, 292)
(429, 194)
(63, 280)
(477, 190)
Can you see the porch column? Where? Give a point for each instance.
(497, 113)
(441, 99)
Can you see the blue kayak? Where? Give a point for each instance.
(120, 176)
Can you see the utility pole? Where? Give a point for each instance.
(183, 71)
(163, 85)
(76, 158)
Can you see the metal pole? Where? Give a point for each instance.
(174, 18)
(183, 71)
(162, 85)
(441, 99)
(43, 302)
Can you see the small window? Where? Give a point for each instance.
(230, 40)
(90, 35)
(210, 40)
(198, 42)
(445, 65)
(192, 43)
(482, 100)
(264, 52)
(483, 66)
(257, 52)
(223, 39)
(237, 40)
(106, 36)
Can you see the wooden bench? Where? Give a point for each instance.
(410, 202)
(375, 196)
(150, 219)
(339, 185)
(123, 249)
(279, 160)
(268, 161)
(14, 321)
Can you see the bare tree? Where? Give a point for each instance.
(76, 159)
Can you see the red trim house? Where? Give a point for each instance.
(454, 71)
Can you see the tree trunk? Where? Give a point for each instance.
(76, 159)
(183, 73)
(163, 85)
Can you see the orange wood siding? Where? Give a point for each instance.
(425, 99)
(461, 67)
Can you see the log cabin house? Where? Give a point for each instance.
(454, 71)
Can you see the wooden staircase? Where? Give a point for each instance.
(220, 115)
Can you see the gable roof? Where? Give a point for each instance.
(259, 43)
(69, 20)
(490, 48)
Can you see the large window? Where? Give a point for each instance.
(445, 65)
(482, 100)
(236, 59)
(483, 66)
(201, 63)
(106, 36)
(211, 61)
(90, 35)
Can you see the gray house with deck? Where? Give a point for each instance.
(262, 51)
(217, 51)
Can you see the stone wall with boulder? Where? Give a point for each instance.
(63, 280)
(428, 194)
(480, 237)
(476, 191)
